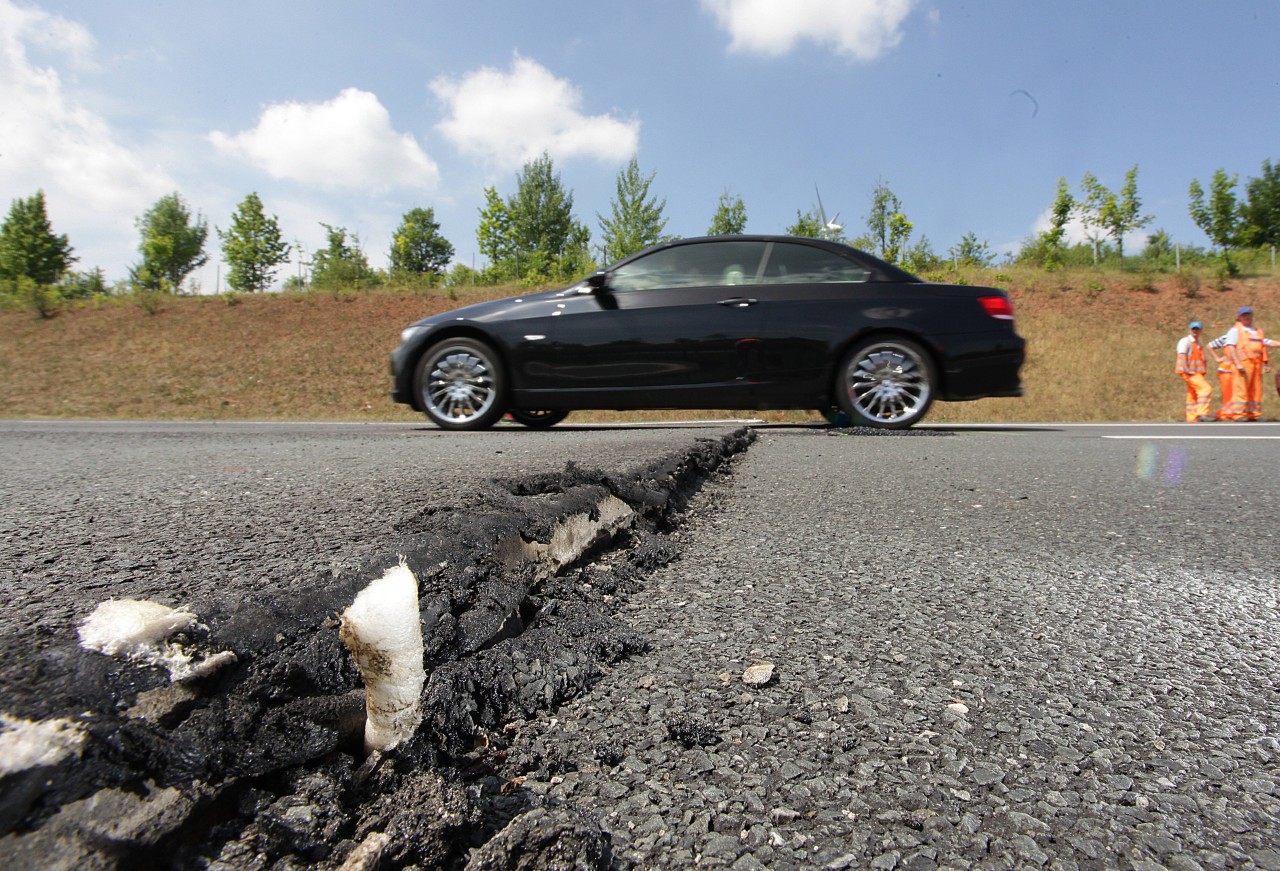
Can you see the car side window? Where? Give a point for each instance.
(790, 263)
(706, 264)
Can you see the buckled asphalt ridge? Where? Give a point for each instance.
(261, 764)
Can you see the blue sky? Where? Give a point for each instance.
(351, 114)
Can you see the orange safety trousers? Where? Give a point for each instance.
(1226, 378)
(1198, 394)
(1246, 390)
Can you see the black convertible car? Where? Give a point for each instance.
(732, 322)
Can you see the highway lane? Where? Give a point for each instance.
(190, 511)
(1100, 598)
(1009, 647)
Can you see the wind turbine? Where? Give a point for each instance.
(830, 229)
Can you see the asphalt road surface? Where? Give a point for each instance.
(1039, 646)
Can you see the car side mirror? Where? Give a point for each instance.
(597, 281)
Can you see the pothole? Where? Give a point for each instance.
(260, 763)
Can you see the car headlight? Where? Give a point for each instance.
(409, 332)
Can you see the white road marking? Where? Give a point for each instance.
(1202, 438)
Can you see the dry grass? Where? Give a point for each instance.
(1100, 349)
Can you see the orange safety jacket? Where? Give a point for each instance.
(1251, 344)
(1192, 362)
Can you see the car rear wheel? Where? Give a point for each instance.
(887, 383)
(538, 419)
(461, 384)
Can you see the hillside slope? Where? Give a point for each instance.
(1100, 348)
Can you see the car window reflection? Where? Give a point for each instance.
(800, 264)
(703, 265)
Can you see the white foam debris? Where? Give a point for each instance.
(139, 630)
(28, 744)
(383, 630)
(129, 627)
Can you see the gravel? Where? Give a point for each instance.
(951, 688)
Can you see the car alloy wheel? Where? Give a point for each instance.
(886, 383)
(460, 383)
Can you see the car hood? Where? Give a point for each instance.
(507, 308)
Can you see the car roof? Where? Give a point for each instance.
(886, 270)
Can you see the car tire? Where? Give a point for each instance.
(461, 384)
(886, 382)
(540, 419)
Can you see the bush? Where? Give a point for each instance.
(150, 299)
(1188, 284)
(25, 294)
(83, 285)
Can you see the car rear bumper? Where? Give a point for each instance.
(985, 371)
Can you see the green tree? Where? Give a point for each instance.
(899, 234)
(887, 227)
(1052, 241)
(920, 256)
(884, 205)
(462, 275)
(1261, 208)
(1220, 217)
(253, 247)
(730, 218)
(341, 262)
(971, 252)
(172, 244)
(1159, 251)
(1089, 211)
(28, 246)
(417, 248)
(808, 224)
(542, 218)
(496, 238)
(636, 220)
(533, 235)
(1125, 213)
(84, 285)
(1116, 214)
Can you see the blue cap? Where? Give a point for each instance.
(1196, 325)
(1244, 310)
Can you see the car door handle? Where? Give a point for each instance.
(739, 301)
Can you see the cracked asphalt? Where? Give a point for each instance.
(991, 648)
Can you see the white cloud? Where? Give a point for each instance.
(861, 29)
(509, 118)
(344, 143)
(94, 186)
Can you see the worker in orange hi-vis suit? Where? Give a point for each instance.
(1226, 374)
(1191, 367)
(1250, 348)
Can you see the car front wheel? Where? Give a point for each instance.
(887, 383)
(460, 383)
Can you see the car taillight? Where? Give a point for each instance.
(998, 307)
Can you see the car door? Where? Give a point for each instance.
(811, 300)
(673, 328)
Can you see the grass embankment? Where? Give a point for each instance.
(1101, 348)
